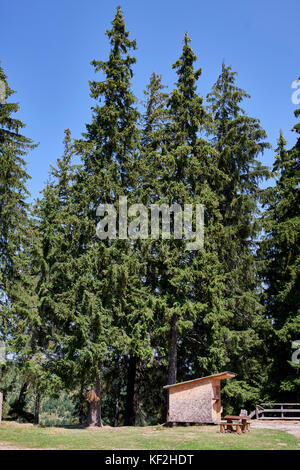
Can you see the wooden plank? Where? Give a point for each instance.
(252, 414)
(233, 424)
(285, 404)
(236, 417)
(259, 411)
(295, 418)
(279, 410)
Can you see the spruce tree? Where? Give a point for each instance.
(237, 337)
(151, 373)
(190, 160)
(35, 317)
(181, 162)
(13, 190)
(112, 277)
(281, 274)
(16, 283)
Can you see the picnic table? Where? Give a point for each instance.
(239, 422)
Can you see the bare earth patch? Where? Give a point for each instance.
(292, 427)
(6, 446)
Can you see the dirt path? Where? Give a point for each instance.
(8, 446)
(292, 427)
(5, 446)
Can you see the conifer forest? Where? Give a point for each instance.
(93, 328)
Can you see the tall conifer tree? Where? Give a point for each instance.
(281, 271)
(182, 163)
(13, 190)
(16, 283)
(238, 140)
(109, 152)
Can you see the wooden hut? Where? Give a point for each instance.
(198, 400)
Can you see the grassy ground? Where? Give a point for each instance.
(152, 438)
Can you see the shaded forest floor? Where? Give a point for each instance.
(25, 436)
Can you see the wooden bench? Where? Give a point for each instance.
(224, 425)
(241, 424)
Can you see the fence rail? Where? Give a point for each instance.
(280, 409)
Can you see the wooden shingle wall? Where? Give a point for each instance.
(191, 403)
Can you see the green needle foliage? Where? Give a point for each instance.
(111, 302)
(241, 331)
(110, 321)
(13, 191)
(16, 282)
(178, 169)
(281, 273)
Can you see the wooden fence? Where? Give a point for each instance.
(280, 410)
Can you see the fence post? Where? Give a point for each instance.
(256, 412)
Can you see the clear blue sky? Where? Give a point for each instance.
(46, 48)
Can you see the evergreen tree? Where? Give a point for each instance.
(237, 336)
(281, 275)
(178, 171)
(13, 190)
(113, 320)
(16, 283)
(35, 326)
(189, 170)
(149, 396)
(112, 271)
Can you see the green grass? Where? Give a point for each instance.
(152, 438)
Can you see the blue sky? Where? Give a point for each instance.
(46, 48)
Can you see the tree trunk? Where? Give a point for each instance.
(116, 416)
(82, 399)
(172, 369)
(117, 405)
(22, 397)
(37, 408)
(130, 409)
(94, 417)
